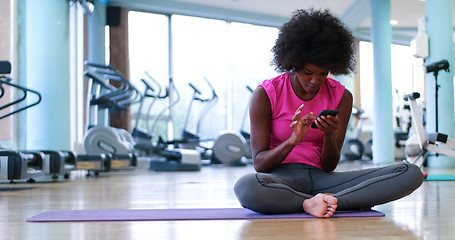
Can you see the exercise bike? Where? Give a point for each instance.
(353, 148)
(245, 134)
(402, 128)
(438, 143)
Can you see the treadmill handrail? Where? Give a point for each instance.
(24, 90)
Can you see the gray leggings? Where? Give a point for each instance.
(284, 189)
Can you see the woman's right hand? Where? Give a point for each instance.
(266, 158)
(300, 125)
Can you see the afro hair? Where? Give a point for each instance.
(316, 37)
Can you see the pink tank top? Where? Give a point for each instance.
(284, 103)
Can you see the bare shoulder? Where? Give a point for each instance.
(347, 95)
(345, 106)
(346, 100)
(260, 102)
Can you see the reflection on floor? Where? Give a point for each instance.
(425, 214)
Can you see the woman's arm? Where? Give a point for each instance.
(264, 158)
(334, 133)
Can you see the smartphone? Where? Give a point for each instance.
(325, 113)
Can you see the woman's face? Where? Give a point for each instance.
(311, 77)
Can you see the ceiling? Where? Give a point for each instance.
(356, 13)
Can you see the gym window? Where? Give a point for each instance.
(230, 55)
(407, 76)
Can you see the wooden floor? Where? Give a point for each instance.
(428, 213)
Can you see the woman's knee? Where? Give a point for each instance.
(247, 188)
(410, 174)
(415, 173)
(244, 188)
(254, 192)
(244, 182)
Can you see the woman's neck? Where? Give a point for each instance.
(298, 89)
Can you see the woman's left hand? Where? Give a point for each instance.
(327, 124)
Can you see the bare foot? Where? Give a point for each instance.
(321, 205)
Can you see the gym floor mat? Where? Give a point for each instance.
(440, 177)
(177, 215)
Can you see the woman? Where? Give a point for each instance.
(294, 162)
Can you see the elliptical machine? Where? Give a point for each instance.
(160, 156)
(143, 137)
(229, 147)
(191, 138)
(107, 147)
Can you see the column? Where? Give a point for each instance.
(439, 27)
(43, 65)
(381, 37)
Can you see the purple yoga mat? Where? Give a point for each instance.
(176, 215)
